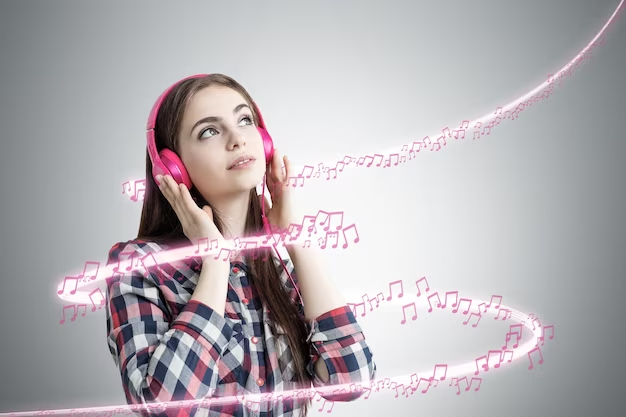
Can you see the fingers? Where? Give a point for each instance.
(277, 171)
(277, 174)
(172, 192)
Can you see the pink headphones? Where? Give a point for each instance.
(167, 162)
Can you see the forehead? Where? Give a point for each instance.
(213, 101)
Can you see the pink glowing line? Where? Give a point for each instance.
(401, 153)
(517, 101)
(468, 368)
(460, 370)
(452, 372)
(83, 289)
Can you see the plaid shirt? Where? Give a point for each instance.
(168, 348)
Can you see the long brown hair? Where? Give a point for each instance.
(160, 224)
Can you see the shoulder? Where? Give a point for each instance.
(131, 249)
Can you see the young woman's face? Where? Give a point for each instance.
(209, 147)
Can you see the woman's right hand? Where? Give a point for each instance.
(197, 222)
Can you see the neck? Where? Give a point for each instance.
(233, 211)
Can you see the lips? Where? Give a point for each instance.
(243, 158)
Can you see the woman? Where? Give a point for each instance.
(201, 328)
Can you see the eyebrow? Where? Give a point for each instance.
(210, 119)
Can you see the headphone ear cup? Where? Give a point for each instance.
(175, 167)
(268, 145)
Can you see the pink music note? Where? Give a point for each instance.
(295, 181)
(100, 302)
(446, 132)
(334, 170)
(354, 308)
(307, 171)
(477, 380)
(140, 189)
(92, 276)
(509, 335)
(476, 135)
(464, 124)
(485, 366)
(391, 284)
(126, 257)
(207, 245)
(340, 166)
(469, 305)
(470, 317)
(226, 257)
(337, 215)
(380, 157)
(403, 159)
(404, 148)
(404, 391)
(151, 265)
(76, 310)
(334, 236)
(74, 281)
(293, 231)
(249, 245)
(345, 237)
(67, 308)
(460, 133)
(366, 299)
(428, 381)
(307, 244)
(507, 314)
(127, 188)
(396, 156)
(498, 297)
(543, 334)
(445, 371)
(536, 349)
(537, 321)
(508, 353)
(484, 307)
(308, 222)
(498, 110)
(404, 312)
(414, 145)
(498, 358)
(449, 294)
(417, 284)
(437, 304)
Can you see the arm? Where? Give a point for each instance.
(339, 353)
(150, 349)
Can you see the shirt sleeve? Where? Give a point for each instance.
(337, 338)
(160, 359)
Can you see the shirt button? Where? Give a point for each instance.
(254, 339)
(245, 301)
(260, 382)
(235, 270)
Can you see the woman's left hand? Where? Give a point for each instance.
(281, 214)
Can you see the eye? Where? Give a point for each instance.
(248, 120)
(209, 129)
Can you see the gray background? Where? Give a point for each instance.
(531, 212)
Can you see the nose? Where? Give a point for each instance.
(237, 139)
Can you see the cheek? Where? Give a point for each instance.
(204, 166)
